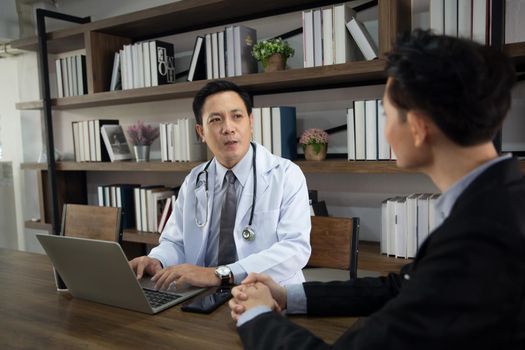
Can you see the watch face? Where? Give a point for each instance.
(223, 271)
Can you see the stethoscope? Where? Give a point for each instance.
(247, 233)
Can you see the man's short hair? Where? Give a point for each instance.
(463, 86)
(215, 87)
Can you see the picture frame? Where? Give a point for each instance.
(116, 143)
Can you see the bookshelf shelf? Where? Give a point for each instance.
(352, 73)
(38, 225)
(310, 167)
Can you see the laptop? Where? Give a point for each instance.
(98, 271)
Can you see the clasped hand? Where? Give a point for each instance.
(257, 290)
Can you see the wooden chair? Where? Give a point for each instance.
(88, 221)
(334, 244)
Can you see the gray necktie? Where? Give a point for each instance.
(227, 251)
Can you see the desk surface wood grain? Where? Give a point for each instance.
(34, 316)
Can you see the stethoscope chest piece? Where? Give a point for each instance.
(248, 233)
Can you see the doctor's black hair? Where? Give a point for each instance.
(464, 87)
(215, 87)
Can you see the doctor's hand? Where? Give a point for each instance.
(185, 275)
(248, 296)
(145, 264)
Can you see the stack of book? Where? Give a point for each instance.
(275, 128)
(223, 54)
(179, 142)
(366, 123)
(153, 206)
(406, 222)
(71, 76)
(143, 64)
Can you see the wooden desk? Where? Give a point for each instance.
(34, 316)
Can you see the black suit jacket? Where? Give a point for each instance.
(464, 290)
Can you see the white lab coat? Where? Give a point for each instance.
(281, 222)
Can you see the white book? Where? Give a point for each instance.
(123, 70)
(177, 144)
(400, 228)
(371, 129)
(87, 148)
(128, 53)
(164, 217)
(350, 121)
(451, 17)
(209, 57)
(100, 195)
(153, 63)
(308, 38)
(345, 47)
(360, 129)
(391, 238)
(119, 196)
(183, 127)
(140, 65)
(383, 148)
(136, 69)
(383, 244)
(115, 72)
(114, 196)
(266, 114)
(138, 215)
(163, 142)
(65, 77)
(437, 16)
(60, 85)
(76, 141)
(215, 54)
(230, 60)
(328, 41)
(422, 218)
(92, 145)
(169, 136)
(107, 196)
(146, 64)
(257, 125)
(464, 19)
(74, 75)
(158, 200)
(276, 131)
(318, 38)
(71, 74)
(82, 156)
(479, 21)
(222, 61)
(411, 225)
(80, 59)
(363, 39)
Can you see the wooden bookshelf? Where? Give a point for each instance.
(348, 74)
(37, 225)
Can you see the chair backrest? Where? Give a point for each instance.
(88, 221)
(334, 243)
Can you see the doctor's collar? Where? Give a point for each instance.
(241, 170)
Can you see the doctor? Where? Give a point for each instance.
(244, 211)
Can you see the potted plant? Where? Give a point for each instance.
(142, 136)
(272, 53)
(315, 143)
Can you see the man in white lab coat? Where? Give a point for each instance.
(277, 240)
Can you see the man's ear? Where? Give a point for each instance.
(419, 127)
(200, 131)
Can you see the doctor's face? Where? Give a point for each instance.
(226, 127)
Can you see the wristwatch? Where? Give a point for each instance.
(224, 273)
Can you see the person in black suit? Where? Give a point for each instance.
(444, 100)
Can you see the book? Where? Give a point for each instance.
(146, 64)
(362, 38)
(318, 38)
(359, 129)
(451, 17)
(319, 208)
(60, 85)
(115, 74)
(159, 200)
(345, 48)
(209, 57)
(222, 59)
(115, 143)
(257, 125)
(350, 124)
(81, 74)
(400, 228)
(437, 17)
(328, 42)
(266, 114)
(230, 59)
(308, 38)
(215, 54)
(371, 129)
(162, 60)
(244, 38)
(383, 148)
(166, 211)
(197, 69)
(411, 225)
(284, 130)
(125, 200)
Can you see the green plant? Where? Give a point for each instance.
(266, 48)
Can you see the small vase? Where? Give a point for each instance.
(274, 63)
(315, 151)
(141, 153)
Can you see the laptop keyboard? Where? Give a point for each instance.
(157, 298)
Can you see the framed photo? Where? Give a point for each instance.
(115, 142)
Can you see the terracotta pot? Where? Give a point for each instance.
(274, 63)
(315, 151)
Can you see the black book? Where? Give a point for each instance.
(197, 70)
(126, 201)
(162, 57)
(319, 208)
